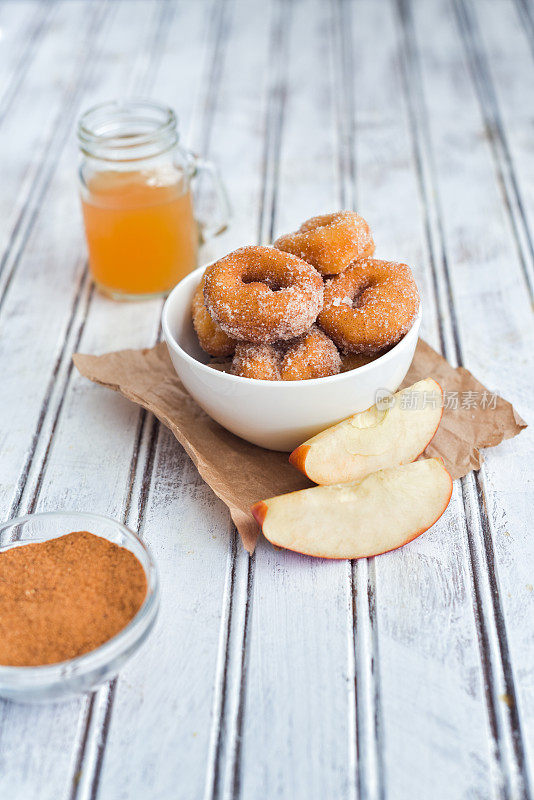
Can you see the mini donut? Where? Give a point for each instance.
(370, 306)
(314, 355)
(330, 242)
(262, 295)
(260, 361)
(211, 337)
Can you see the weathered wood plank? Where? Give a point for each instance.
(510, 70)
(22, 26)
(496, 132)
(60, 72)
(188, 754)
(298, 660)
(428, 679)
(134, 325)
(487, 282)
(363, 697)
(169, 689)
(387, 185)
(60, 304)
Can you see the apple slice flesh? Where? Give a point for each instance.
(382, 512)
(374, 439)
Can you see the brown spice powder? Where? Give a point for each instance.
(64, 597)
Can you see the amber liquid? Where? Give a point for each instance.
(141, 231)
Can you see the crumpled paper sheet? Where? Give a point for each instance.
(241, 473)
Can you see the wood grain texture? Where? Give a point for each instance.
(278, 676)
(477, 255)
(301, 749)
(416, 636)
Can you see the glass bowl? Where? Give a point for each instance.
(86, 672)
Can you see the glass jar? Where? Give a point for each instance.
(135, 183)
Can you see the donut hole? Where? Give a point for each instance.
(274, 283)
(359, 298)
(321, 222)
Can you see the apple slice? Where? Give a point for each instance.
(352, 520)
(374, 439)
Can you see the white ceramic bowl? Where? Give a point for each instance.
(278, 415)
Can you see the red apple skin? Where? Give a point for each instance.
(298, 457)
(261, 512)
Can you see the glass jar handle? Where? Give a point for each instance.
(197, 167)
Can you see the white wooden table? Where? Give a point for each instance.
(405, 677)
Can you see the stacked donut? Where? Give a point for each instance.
(301, 308)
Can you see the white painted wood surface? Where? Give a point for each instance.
(406, 676)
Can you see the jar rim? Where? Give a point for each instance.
(123, 130)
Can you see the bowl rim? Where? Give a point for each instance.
(40, 675)
(276, 385)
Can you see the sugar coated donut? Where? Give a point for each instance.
(370, 306)
(330, 242)
(260, 361)
(211, 337)
(262, 295)
(313, 355)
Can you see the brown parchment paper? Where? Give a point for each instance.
(241, 473)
